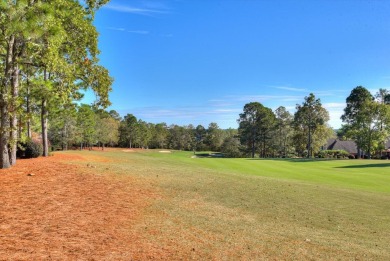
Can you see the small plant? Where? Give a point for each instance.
(30, 149)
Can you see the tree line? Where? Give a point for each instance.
(262, 132)
(366, 121)
(84, 126)
(48, 54)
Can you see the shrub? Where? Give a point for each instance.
(30, 149)
(339, 154)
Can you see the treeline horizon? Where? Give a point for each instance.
(261, 132)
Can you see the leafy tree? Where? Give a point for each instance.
(214, 137)
(231, 147)
(160, 135)
(181, 137)
(284, 131)
(115, 115)
(145, 134)
(19, 24)
(86, 122)
(383, 96)
(55, 44)
(358, 116)
(200, 138)
(129, 130)
(255, 125)
(63, 129)
(107, 129)
(308, 119)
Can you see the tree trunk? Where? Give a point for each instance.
(44, 120)
(28, 110)
(4, 160)
(253, 148)
(309, 144)
(4, 103)
(13, 115)
(45, 142)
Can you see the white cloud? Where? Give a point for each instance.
(116, 29)
(291, 89)
(137, 32)
(335, 120)
(134, 10)
(259, 98)
(128, 31)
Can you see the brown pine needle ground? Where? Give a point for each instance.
(51, 210)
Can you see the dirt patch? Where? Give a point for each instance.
(128, 150)
(51, 210)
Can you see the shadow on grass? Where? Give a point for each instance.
(209, 155)
(300, 160)
(377, 165)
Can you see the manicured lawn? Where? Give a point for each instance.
(229, 209)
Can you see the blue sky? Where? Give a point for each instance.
(198, 61)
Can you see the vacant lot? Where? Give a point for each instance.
(132, 204)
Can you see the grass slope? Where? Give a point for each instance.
(229, 209)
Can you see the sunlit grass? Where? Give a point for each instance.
(248, 209)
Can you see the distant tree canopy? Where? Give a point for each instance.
(278, 134)
(261, 133)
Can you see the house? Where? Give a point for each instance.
(347, 145)
(350, 146)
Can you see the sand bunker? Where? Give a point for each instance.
(165, 151)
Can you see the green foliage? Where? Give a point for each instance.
(332, 154)
(367, 121)
(231, 148)
(86, 122)
(181, 137)
(30, 149)
(51, 47)
(214, 137)
(310, 125)
(256, 123)
(283, 132)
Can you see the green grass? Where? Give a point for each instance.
(229, 209)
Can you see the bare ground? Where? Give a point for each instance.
(52, 210)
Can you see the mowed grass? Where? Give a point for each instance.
(254, 209)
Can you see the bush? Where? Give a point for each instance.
(29, 149)
(339, 154)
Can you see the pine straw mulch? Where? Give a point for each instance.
(53, 210)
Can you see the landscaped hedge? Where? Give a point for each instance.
(333, 154)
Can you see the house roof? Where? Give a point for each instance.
(347, 145)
